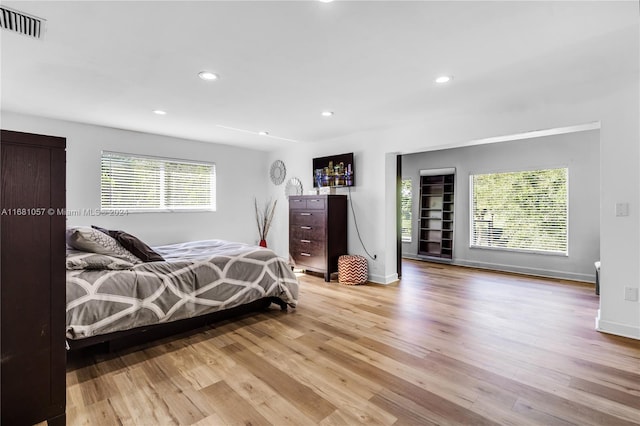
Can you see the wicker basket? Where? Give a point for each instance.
(352, 270)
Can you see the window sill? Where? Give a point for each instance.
(524, 251)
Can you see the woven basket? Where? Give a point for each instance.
(352, 270)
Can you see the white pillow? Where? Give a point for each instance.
(88, 239)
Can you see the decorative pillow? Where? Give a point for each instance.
(84, 260)
(91, 240)
(133, 244)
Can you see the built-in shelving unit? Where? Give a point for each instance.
(436, 216)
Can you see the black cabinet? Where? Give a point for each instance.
(317, 232)
(436, 216)
(32, 282)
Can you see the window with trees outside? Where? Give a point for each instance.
(406, 201)
(525, 211)
(142, 183)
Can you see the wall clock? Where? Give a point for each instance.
(278, 172)
(293, 187)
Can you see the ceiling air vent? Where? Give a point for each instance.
(21, 23)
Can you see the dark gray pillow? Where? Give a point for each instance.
(133, 244)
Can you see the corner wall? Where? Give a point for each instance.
(620, 236)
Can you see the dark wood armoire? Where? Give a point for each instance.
(32, 279)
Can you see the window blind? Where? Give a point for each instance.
(132, 182)
(525, 210)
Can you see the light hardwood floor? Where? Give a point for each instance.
(446, 345)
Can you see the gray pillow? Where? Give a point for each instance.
(85, 260)
(87, 239)
(136, 246)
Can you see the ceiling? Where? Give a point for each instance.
(282, 63)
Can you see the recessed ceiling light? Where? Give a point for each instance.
(325, 1)
(159, 112)
(263, 133)
(327, 113)
(207, 75)
(443, 79)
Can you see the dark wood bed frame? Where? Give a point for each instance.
(123, 339)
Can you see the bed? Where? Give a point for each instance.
(111, 294)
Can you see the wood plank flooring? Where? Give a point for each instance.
(446, 345)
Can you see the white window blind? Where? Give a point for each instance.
(141, 183)
(406, 199)
(526, 210)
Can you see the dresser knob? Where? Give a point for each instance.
(305, 254)
(305, 227)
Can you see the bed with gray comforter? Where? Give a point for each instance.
(195, 279)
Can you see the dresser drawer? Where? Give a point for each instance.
(297, 203)
(302, 245)
(315, 218)
(311, 260)
(316, 203)
(307, 232)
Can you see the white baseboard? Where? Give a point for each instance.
(381, 279)
(624, 330)
(573, 276)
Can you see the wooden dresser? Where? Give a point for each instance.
(317, 232)
(32, 285)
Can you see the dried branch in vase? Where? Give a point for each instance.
(264, 217)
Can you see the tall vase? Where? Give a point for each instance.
(263, 243)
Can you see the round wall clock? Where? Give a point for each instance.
(293, 187)
(278, 172)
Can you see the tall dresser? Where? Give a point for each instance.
(32, 284)
(317, 232)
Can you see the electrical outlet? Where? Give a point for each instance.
(622, 209)
(631, 294)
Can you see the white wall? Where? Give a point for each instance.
(579, 151)
(241, 176)
(370, 171)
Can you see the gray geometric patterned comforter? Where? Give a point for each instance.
(197, 278)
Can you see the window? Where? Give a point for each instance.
(524, 210)
(140, 183)
(405, 209)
